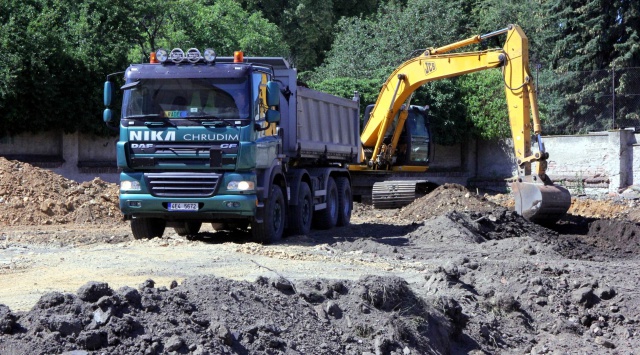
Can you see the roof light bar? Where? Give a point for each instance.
(209, 55)
(193, 55)
(162, 55)
(176, 55)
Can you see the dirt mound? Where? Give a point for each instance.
(480, 227)
(34, 196)
(618, 237)
(209, 315)
(446, 198)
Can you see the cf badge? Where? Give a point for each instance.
(429, 67)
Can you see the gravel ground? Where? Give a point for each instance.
(454, 272)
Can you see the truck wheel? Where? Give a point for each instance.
(345, 201)
(188, 228)
(328, 217)
(218, 226)
(147, 228)
(300, 215)
(272, 227)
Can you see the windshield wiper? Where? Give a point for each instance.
(148, 115)
(162, 122)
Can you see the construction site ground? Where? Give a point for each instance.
(454, 272)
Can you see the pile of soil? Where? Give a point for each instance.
(209, 315)
(34, 196)
(446, 198)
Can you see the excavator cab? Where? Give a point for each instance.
(415, 145)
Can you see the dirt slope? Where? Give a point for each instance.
(33, 196)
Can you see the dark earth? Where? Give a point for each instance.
(489, 282)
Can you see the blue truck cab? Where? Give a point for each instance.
(200, 142)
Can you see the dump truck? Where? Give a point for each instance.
(232, 141)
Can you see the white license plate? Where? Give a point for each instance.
(181, 206)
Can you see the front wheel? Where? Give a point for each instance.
(147, 228)
(187, 228)
(272, 226)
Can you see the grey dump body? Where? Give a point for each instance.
(316, 124)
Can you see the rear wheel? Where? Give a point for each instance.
(188, 228)
(345, 201)
(147, 228)
(272, 226)
(301, 214)
(328, 217)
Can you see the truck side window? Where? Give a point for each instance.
(259, 89)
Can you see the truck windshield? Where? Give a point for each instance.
(188, 99)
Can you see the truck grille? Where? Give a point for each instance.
(182, 184)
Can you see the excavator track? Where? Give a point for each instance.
(393, 194)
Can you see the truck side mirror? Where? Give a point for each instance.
(272, 116)
(108, 92)
(273, 94)
(107, 116)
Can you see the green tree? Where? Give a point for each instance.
(530, 15)
(589, 38)
(372, 47)
(222, 25)
(307, 25)
(484, 100)
(61, 50)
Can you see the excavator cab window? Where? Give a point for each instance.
(414, 144)
(418, 138)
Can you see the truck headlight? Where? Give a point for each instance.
(129, 185)
(240, 186)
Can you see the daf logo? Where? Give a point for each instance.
(229, 145)
(143, 146)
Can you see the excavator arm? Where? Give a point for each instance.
(536, 197)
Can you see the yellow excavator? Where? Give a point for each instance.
(396, 138)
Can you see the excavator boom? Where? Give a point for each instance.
(536, 197)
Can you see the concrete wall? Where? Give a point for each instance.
(597, 163)
(74, 156)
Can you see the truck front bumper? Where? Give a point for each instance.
(213, 208)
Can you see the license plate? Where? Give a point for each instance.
(181, 206)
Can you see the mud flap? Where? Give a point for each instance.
(539, 203)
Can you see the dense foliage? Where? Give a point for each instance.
(56, 54)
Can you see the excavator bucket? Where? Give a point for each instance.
(539, 203)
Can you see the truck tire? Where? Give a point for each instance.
(218, 226)
(300, 216)
(147, 228)
(328, 217)
(345, 201)
(188, 228)
(272, 227)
